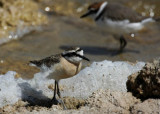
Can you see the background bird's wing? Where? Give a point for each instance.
(48, 61)
(116, 12)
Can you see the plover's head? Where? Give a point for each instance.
(74, 54)
(95, 10)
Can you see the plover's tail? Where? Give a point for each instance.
(33, 63)
(148, 20)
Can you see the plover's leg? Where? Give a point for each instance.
(123, 43)
(58, 91)
(54, 100)
(59, 95)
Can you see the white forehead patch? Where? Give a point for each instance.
(77, 48)
(80, 52)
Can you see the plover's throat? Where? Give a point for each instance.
(104, 4)
(72, 58)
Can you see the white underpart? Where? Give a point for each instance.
(122, 27)
(50, 72)
(43, 68)
(148, 20)
(101, 8)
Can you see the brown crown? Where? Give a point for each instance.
(95, 5)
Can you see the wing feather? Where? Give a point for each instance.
(48, 61)
(117, 12)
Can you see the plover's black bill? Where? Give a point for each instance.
(86, 14)
(85, 58)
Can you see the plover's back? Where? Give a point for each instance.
(48, 61)
(119, 12)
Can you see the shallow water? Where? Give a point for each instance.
(67, 30)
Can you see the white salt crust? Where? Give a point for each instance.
(100, 75)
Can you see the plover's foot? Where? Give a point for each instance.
(55, 101)
(64, 107)
(58, 101)
(120, 51)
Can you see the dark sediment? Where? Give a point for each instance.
(146, 83)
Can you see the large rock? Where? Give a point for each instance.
(146, 83)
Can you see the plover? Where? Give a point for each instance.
(117, 19)
(61, 66)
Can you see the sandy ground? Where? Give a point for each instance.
(101, 101)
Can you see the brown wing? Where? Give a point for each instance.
(117, 11)
(48, 61)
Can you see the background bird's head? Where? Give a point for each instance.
(95, 9)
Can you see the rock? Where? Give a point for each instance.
(150, 106)
(7, 109)
(146, 83)
(73, 103)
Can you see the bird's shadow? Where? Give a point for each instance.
(33, 97)
(95, 50)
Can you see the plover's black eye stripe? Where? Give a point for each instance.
(69, 54)
(83, 57)
(73, 54)
(78, 55)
